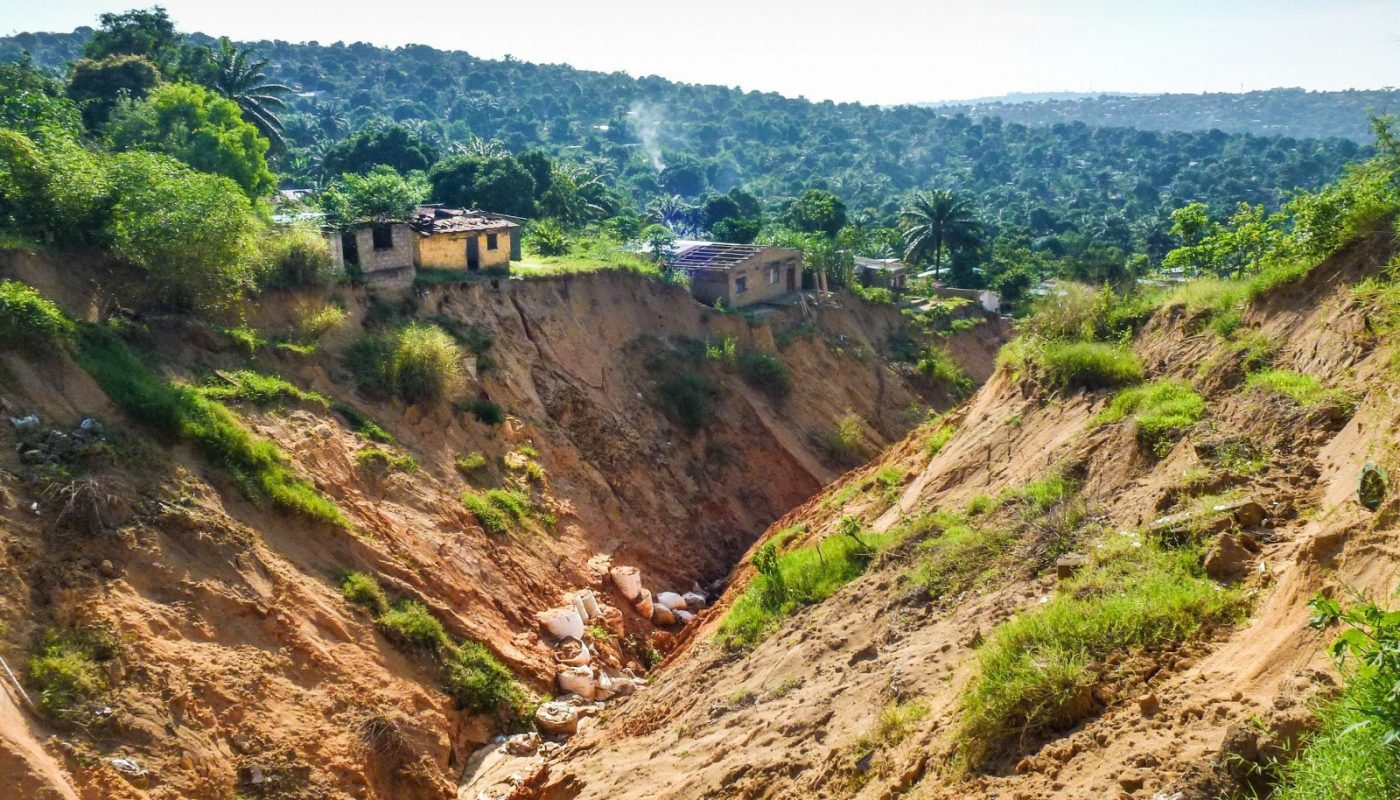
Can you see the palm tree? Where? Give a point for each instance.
(330, 118)
(939, 220)
(240, 77)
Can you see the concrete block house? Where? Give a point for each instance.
(738, 274)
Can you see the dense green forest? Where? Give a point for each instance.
(1275, 112)
(603, 155)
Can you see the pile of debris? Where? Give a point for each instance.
(666, 608)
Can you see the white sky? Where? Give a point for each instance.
(873, 51)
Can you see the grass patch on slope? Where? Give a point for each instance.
(247, 386)
(501, 511)
(1302, 389)
(66, 669)
(789, 581)
(182, 412)
(1035, 670)
(471, 673)
(1161, 412)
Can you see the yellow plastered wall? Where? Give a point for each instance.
(449, 250)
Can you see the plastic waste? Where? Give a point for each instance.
(564, 623)
(671, 600)
(629, 581)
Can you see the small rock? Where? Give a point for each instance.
(1070, 563)
(107, 569)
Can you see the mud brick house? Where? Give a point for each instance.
(738, 274)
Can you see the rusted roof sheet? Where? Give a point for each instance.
(430, 220)
(720, 256)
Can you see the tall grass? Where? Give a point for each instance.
(182, 412)
(419, 363)
(1034, 671)
(1089, 365)
(67, 671)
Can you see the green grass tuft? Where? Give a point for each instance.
(411, 625)
(66, 669)
(363, 590)
(499, 510)
(1303, 389)
(766, 372)
(1161, 412)
(1088, 365)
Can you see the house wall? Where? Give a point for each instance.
(400, 256)
(449, 250)
(337, 251)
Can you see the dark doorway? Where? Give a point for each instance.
(350, 249)
(473, 253)
(792, 279)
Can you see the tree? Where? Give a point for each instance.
(199, 128)
(97, 86)
(389, 145)
(33, 103)
(684, 176)
(192, 233)
(140, 32)
(660, 244)
(498, 184)
(936, 221)
(818, 211)
(241, 78)
(383, 194)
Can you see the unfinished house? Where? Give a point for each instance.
(383, 251)
(883, 273)
(456, 239)
(739, 274)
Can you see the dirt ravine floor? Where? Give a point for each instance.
(240, 669)
(782, 720)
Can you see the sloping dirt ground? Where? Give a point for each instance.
(241, 670)
(781, 721)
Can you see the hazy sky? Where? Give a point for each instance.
(874, 51)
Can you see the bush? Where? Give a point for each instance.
(1088, 365)
(294, 256)
(1303, 389)
(1074, 312)
(427, 364)
(472, 675)
(486, 411)
(67, 670)
(480, 683)
(1161, 412)
(363, 590)
(176, 411)
(766, 372)
(936, 364)
(1035, 670)
(547, 238)
(30, 323)
(192, 233)
(377, 458)
(687, 397)
(411, 625)
(846, 443)
(420, 363)
(1354, 753)
(498, 510)
(319, 322)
